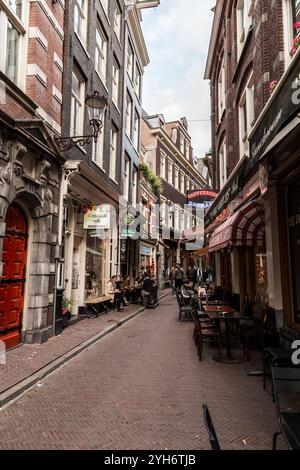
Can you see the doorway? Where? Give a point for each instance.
(12, 281)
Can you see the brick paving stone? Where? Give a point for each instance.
(142, 387)
(26, 359)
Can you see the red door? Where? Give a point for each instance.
(12, 282)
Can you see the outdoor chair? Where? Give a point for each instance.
(205, 331)
(286, 380)
(184, 309)
(213, 440)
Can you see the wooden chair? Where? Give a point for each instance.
(184, 309)
(213, 440)
(286, 379)
(205, 331)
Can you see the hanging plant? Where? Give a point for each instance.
(296, 40)
(149, 175)
(273, 85)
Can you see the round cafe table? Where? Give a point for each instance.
(228, 315)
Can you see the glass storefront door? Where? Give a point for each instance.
(94, 271)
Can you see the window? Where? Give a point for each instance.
(115, 83)
(177, 218)
(136, 131)
(104, 5)
(162, 165)
(170, 172)
(244, 21)
(77, 103)
(134, 186)
(16, 6)
(80, 19)
(101, 53)
(176, 177)
(98, 149)
(113, 153)
(126, 177)
(182, 182)
(130, 63)
(12, 51)
(221, 90)
(117, 21)
(246, 116)
(223, 164)
(290, 15)
(174, 135)
(137, 82)
(181, 144)
(128, 116)
(187, 184)
(187, 148)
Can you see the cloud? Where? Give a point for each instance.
(177, 35)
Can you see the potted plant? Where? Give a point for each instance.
(296, 40)
(66, 310)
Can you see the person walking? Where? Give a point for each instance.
(178, 277)
(171, 277)
(191, 274)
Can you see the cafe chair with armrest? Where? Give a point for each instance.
(286, 380)
(213, 440)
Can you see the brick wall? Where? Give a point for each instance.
(264, 54)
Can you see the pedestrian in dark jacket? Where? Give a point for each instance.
(191, 274)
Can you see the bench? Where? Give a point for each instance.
(96, 302)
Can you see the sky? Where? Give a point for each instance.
(177, 35)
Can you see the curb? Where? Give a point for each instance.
(18, 389)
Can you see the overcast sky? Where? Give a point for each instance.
(177, 35)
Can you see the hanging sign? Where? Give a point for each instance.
(97, 217)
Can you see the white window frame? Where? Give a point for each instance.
(246, 103)
(288, 30)
(113, 153)
(117, 21)
(115, 83)
(134, 185)
(104, 4)
(176, 177)
(163, 160)
(223, 164)
(137, 81)
(126, 177)
(181, 143)
(221, 90)
(101, 53)
(10, 16)
(128, 116)
(77, 100)
(181, 182)
(136, 131)
(81, 28)
(98, 149)
(170, 172)
(244, 22)
(130, 61)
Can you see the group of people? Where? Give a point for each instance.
(119, 290)
(194, 275)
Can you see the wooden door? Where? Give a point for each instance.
(12, 282)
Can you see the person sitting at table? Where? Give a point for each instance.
(115, 294)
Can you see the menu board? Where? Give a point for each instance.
(294, 239)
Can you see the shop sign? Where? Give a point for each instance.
(284, 107)
(97, 217)
(145, 250)
(228, 193)
(202, 198)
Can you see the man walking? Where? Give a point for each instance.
(178, 277)
(191, 274)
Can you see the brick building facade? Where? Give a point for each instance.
(30, 166)
(251, 61)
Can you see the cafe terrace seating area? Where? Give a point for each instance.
(231, 335)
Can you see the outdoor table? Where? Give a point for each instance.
(95, 302)
(217, 302)
(228, 315)
(218, 308)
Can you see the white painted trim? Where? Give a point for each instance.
(35, 33)
(35, 70)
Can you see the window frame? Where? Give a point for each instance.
(103, 54)
(113, 146)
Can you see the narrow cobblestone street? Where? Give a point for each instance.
(141, 387)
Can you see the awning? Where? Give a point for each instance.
(244, 228)
(202, 252)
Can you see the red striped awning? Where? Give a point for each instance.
(244, 228)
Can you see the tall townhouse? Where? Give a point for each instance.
(169, 154)
(93, 63)
(135, 60)
(31, 52)
(253, 226)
